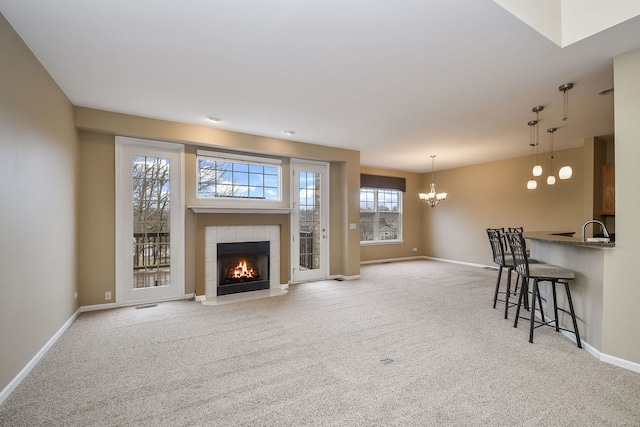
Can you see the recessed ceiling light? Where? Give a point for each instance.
(213, 119)
(289, 132)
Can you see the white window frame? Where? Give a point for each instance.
(376, 219)
(240, 159)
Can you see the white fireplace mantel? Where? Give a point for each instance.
(211, 209)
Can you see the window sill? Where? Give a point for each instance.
(382, 242)
(210, 209)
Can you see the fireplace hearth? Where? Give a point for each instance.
(242, 267)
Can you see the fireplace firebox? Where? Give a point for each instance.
(242, 267)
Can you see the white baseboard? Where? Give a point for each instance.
(343, 277)
(110, 305)
(411, 258)
(626, 364)
(34, 361)
(283, 287)
(97, 307)
(339, 277)
(587, 347)
(115, 305)
(470, 264)
(386, 260)
(613, 360)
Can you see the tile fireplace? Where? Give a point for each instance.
(241, 258)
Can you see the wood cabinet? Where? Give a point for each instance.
(609, 189)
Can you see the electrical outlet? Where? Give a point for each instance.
(75, 295)
(107, 296)
(414, 250)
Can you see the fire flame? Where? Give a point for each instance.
(242, 271)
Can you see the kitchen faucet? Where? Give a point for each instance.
(594, 221)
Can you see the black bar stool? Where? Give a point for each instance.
(503, 261)
(540, 272)
(531, 261)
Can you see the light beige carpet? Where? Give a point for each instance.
(411, 343)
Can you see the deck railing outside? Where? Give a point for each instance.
(151, 250)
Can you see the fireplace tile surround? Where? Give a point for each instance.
(214, 234)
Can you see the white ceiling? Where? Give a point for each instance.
(398, 80)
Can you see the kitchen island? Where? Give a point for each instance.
(564, 238)
(588, 260)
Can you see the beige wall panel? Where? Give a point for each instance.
(38, 209)
(97, 268)
(338, 263)
(190, 220)
(621, 290)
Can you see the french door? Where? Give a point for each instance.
(149, 221)
(310, 221)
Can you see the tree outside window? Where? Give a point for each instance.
(237, 178)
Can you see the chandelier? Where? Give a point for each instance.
(432, 198)
(565, 171)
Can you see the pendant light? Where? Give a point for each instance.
(565, 171)
(551, 179)
(532, 184)
(537, 169)
(432, 198)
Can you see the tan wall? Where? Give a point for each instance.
(621, 289)
(412, 216)
(494, 194)
(97, 137)
(38, 190)
(97, 226)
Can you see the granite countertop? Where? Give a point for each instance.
(565, 238)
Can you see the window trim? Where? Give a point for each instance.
(377, 241)
(241, 159)
(267, 161)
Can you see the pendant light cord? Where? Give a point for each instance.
(565, 119)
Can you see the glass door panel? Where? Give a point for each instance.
(151, 199)
(310, 221)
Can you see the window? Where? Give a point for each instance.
(223, 175)
(380, 215)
